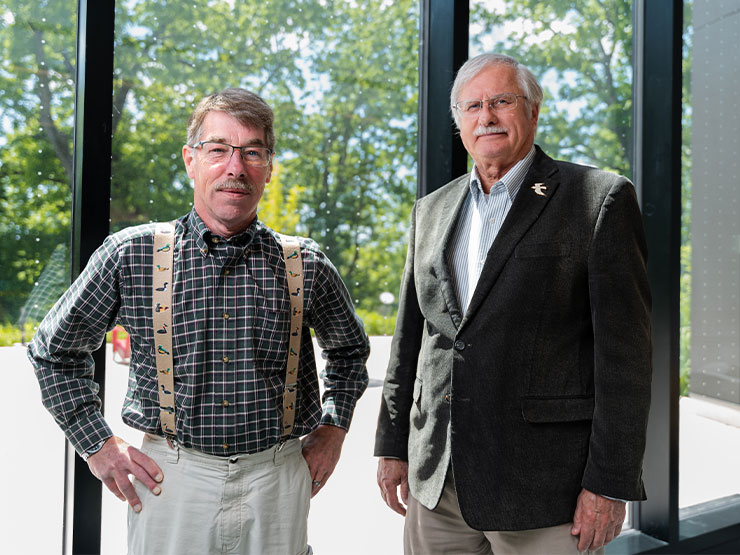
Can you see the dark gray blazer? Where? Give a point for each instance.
(543, 386)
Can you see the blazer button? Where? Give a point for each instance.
(459, 344)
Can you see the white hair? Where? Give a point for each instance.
(470, 69)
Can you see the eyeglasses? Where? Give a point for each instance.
(499, 103)
(216, 153)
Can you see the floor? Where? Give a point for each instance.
(349, 510)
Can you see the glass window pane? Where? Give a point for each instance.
(342, 78)
(36, 125)
(710, 263)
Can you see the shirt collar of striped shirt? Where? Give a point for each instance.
(512, 180)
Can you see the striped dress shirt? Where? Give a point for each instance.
(480, 220)
(230, 319)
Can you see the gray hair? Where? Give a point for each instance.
(246, 107)
(527, 81)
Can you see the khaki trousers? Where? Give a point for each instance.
(244, 504)
(443, 531)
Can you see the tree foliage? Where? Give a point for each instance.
(36, 109)
(340, 75)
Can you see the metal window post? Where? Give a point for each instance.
(443, 49)
(658, 176)
(90, 225)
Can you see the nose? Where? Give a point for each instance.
(236, 165)
(487, 115)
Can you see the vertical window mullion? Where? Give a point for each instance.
(443, 49)
(658, 177)
(90, 223)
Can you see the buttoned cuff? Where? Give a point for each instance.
(614, 498)
(85, 434)
(337, 410)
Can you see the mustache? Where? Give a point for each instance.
(490, 129)
(235, 185)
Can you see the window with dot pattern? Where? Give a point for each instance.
(37, 96)
(709, 440)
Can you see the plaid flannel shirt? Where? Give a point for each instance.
(230, 318)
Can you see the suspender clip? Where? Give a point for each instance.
(171, 441)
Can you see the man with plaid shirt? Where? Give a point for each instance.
(228, 482)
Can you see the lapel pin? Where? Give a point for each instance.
(539, 188)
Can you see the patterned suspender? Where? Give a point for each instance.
(164, 247)
(164, 243)
(294, 273)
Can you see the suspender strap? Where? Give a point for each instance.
(294, 273)
(164, 246)
(162, 262)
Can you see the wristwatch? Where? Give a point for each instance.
(94, 449)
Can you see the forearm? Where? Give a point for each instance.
(343, 341)
(61, 351)
(345, 380)
(620, 301)
(71, 396)
(391, 437)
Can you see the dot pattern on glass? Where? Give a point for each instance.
(715, 225)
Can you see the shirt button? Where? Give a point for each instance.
(204, 250)
(225, 359)
(227, 272)
(226, 315)
(225, 446)
(224, 403)
(215, 240)
(459, 344)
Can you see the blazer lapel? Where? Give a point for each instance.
(448, 222)
(538, 186)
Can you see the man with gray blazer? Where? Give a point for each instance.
(515, 406)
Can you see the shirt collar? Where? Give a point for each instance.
(206, 240)
(512, 180)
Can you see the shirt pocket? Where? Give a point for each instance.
(271, 329)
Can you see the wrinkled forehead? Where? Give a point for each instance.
(224, 128)
(490, 81)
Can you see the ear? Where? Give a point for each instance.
(535, 115)
(188, 158)
(268, 176)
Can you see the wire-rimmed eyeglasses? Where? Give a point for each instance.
(216, 153)
(499, 103)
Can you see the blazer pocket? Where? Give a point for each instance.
(538, 250)
(540, 410)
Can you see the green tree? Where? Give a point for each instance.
(280, 204)
(36, 107)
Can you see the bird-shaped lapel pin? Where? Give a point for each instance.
(539, 188)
